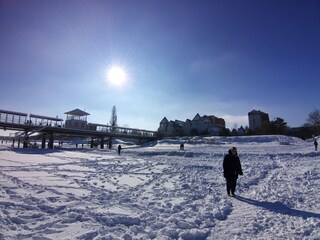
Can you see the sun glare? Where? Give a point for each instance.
(116, 76)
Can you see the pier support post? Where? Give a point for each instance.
(102, 143)
(43, 144)
(110, 143)
(91, 143)
(25, 139)
(50, 143)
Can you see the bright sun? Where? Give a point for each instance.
(116, 75)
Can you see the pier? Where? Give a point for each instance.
(48, 129)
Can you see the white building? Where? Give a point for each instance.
(76, 119)
(205, 125)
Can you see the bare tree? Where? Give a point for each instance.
(313, 120)
(113, 119)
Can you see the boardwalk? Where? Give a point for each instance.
(51, 128)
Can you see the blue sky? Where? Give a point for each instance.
(181, 57)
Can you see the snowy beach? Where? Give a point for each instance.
(157, 191)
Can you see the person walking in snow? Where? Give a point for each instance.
(316, 144)
(231, 170)
(119, 149)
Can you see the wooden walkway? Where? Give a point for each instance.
(53, 127)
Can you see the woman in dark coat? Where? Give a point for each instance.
(119, 149)
(231, 170)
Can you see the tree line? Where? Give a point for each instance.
(279, 126)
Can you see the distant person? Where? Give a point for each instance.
(119, 149)
(181, 146)
(231, 170)
(316, 144)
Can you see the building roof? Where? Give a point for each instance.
(197, 117)
(77, 112)
(164, 120)
(13, 113)
(257, 112)
(180, 123)
(46, 118)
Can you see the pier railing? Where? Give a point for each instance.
(36, 123)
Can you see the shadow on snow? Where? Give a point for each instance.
(279, 207)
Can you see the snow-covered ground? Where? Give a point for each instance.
(160, 192)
